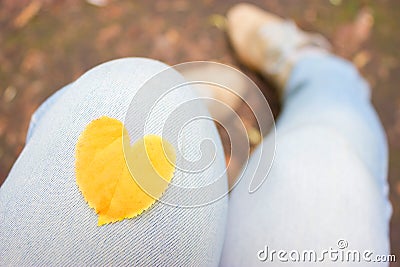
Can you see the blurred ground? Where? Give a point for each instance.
(47, 44)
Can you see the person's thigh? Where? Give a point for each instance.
(42, 110)
(44, 219)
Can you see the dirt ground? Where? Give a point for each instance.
(47, 44)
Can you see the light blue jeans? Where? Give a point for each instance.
(327, 183)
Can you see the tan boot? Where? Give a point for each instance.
(268, 43)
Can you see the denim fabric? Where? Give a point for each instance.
(44, 220)
(328, 179)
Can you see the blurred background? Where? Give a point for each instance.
(45, 45)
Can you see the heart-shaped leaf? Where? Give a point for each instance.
(104, 178)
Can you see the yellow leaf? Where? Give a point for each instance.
(103, 176)
(27, 14)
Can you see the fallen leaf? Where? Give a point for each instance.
(254, 136)
(27, 14)
(350, 37)
(9, 94)
(361, 59)
(336, 2)
(218, 21)
(104, 178)
(99, 3)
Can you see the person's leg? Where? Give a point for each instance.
(44, 219)
(328, 179)
(42, 109)
(329, 92)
